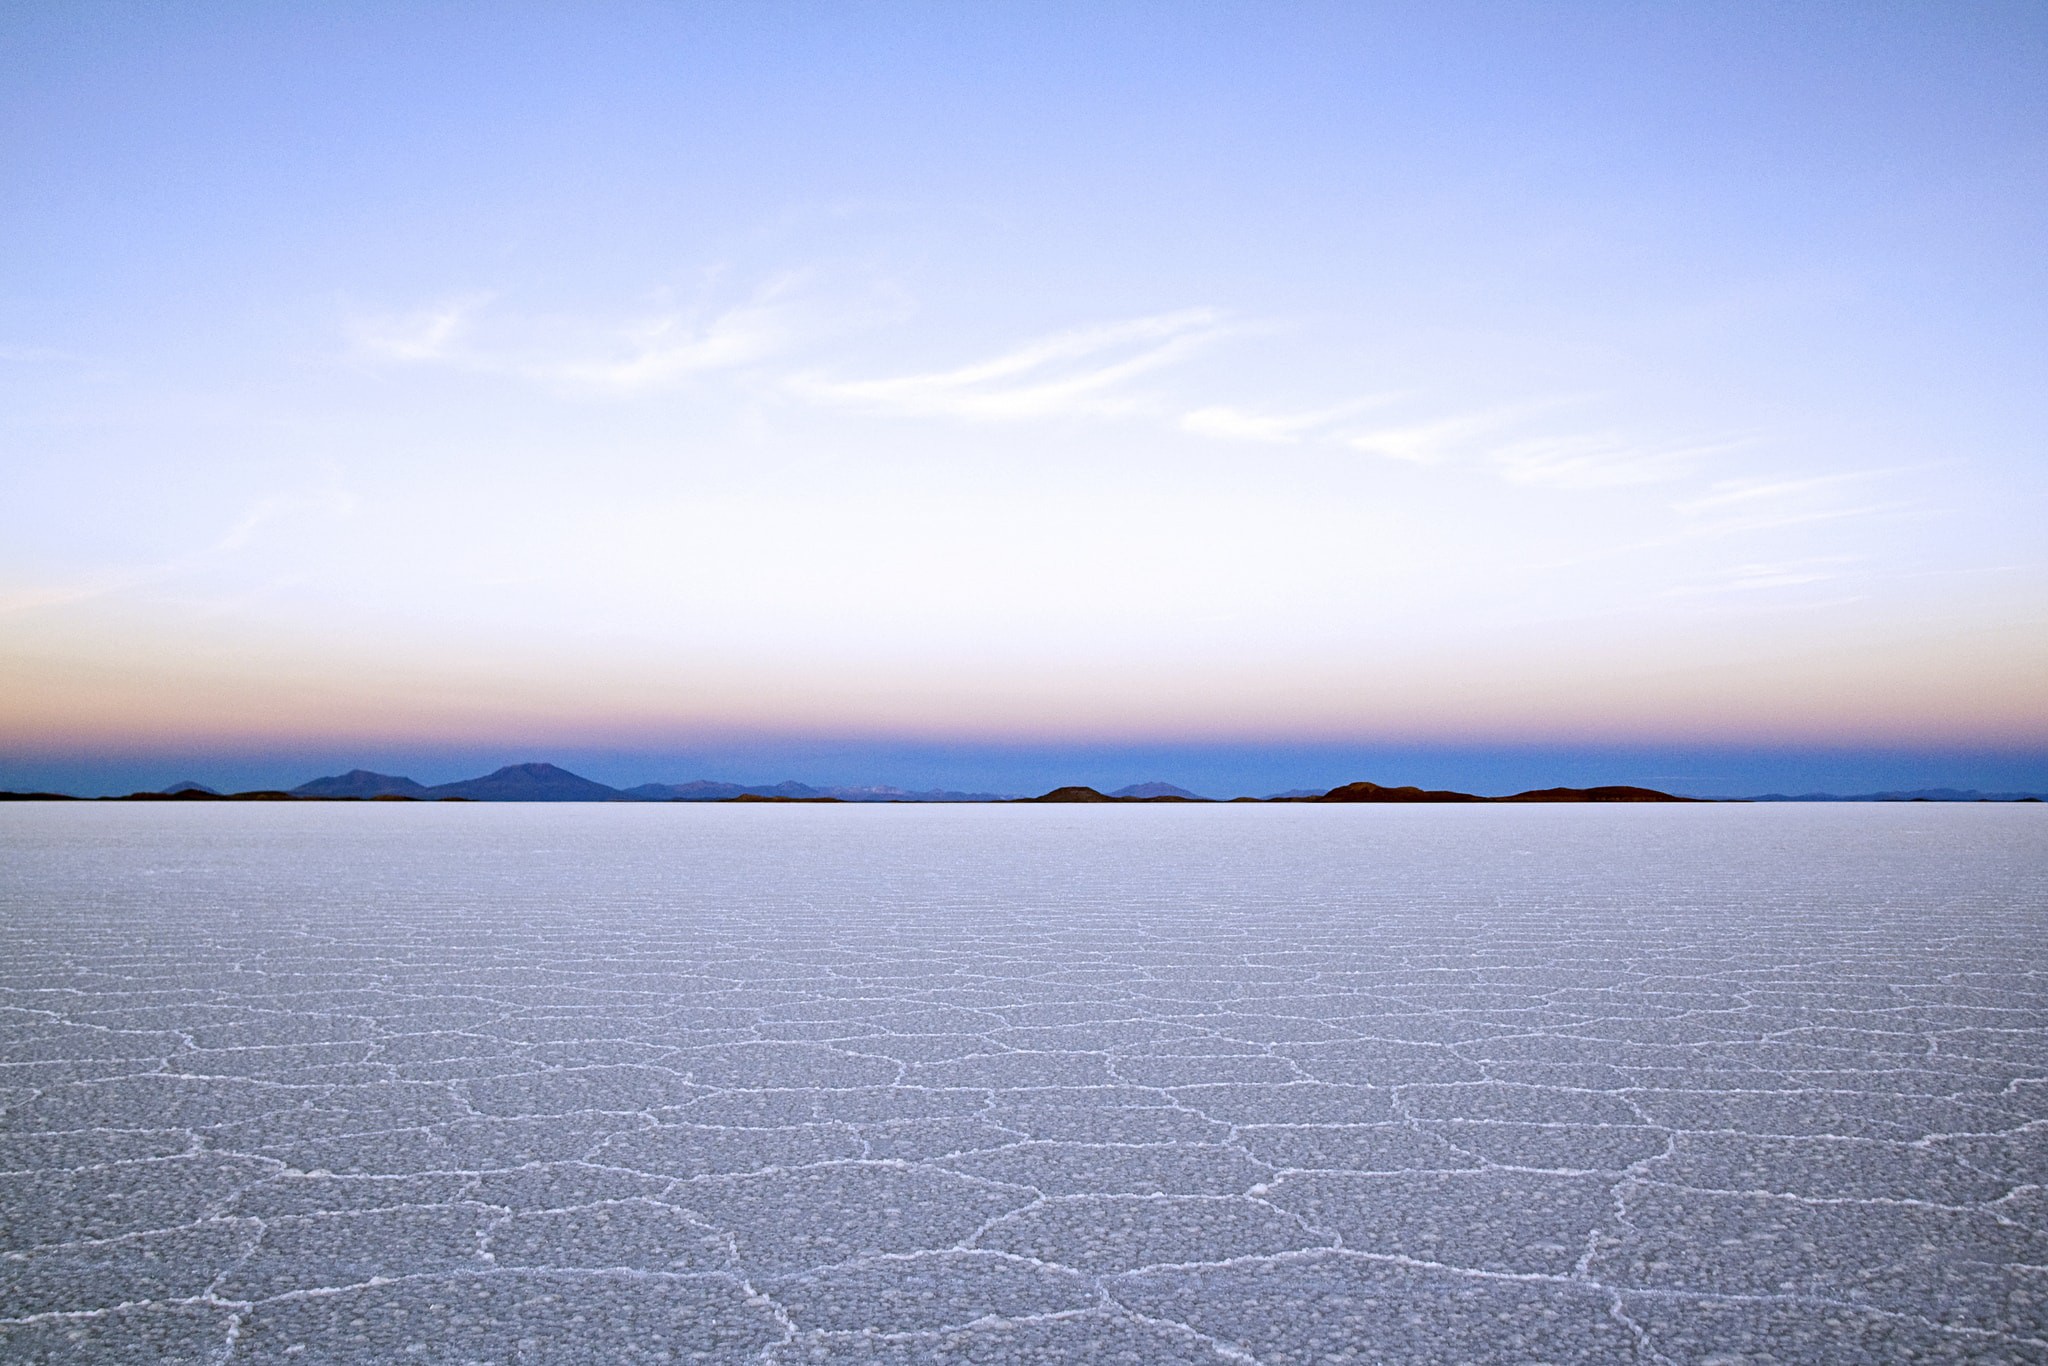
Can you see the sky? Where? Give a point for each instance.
(966, 394)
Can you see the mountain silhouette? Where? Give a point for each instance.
(543, 782)
(1920, 794)
(1150, 791)
(1373, 792)
(883, 793)
(1594, 794)
(698, 791)
(703, 790)
(528, 783)
(360, 782)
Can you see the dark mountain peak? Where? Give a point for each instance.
(1373, 792)
(705, 790)
(1072, 794)
(789, 788)
(885, 793)
(362, 783)
(1148, 791)
(1594, 794)
(189, 786)
(536, 772)
(697, 790)
(529, 783)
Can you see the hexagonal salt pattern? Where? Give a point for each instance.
(800, 1084)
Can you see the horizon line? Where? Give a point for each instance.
(369, 785)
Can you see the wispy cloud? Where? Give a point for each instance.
(1752, 578)
(1599, 461)
(1815, 583)
(30, 597)
(35, 355)
(1746, 493)
(635, 356)
(1765, 503)
(335, 502)
(664, 350)
(329, 500)
(1512, 442)
(1226, 423)
(430, 335)
(1498, 438)
(1081, 372)
(1093, 372)
(1775, 520)
(1434, 441)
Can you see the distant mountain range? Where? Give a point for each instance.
(362, 784)
(1373, 792)
(1145, 791)
(704, 791)
(548, 783)
(1919, 794)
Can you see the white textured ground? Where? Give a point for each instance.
(512, 1084)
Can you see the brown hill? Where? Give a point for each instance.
(1071, 794)
(1594, 794)
(198, 794)
(1373, 792)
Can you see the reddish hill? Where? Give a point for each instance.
(1373, 792)
(1594, 794)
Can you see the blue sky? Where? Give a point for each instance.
(895, 380)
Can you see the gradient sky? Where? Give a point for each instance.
(476, 379)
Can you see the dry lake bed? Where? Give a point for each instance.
(386, 1083)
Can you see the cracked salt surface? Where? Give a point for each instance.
(595, 1083)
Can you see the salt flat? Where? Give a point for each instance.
(1156, 1084)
